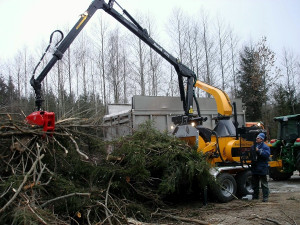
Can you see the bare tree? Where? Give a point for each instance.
(233, 42)
(190, 43)
(100, 32)
(114, 64)
(177, 30)
(81, 51)
(18, 72)
(223, 46)
(172, 88)
(289, 64)
(209, 49)
(125, 73)
(142, 65)
(198, 51)
(154, 62)
(25, 64)
(69, 63)
(139, 59)
(60, 89)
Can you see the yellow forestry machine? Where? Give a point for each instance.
(227, 147)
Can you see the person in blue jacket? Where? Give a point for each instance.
(260, 167)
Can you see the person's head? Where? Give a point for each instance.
(260, 137)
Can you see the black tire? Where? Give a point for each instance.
(277, 175)
(298, 161)
(225, 188)
(244, 183)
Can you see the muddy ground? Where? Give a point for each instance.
(283, 207)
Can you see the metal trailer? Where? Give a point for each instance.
(123, 119)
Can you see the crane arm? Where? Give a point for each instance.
(184, 73)
(60, 50)
(134, 27)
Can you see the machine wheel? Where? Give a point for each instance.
(225, 188)
(244, 183)
(298, 161)
(277, 175)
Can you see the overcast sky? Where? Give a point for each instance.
(28, 22)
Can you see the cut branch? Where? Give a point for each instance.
(77, 148)
(65, 196)
(106, 199)
(22, 184)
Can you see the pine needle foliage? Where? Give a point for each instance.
(162, 163)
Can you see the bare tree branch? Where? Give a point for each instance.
(22, 184)
(65, 196)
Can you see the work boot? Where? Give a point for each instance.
(265, 200)
(254, 197)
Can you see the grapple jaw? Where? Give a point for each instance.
(42, 118)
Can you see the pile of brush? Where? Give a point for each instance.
(73, 176)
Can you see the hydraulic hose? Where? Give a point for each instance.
(218, 148)
(197, 104)
(48, 47)
(37, 84)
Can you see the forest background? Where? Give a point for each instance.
(107, 64)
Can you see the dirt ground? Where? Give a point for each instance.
(283, 207)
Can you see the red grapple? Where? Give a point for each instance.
(42, 118)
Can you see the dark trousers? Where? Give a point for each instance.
(256, 179)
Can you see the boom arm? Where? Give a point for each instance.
(182, 71)
(64, 45)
